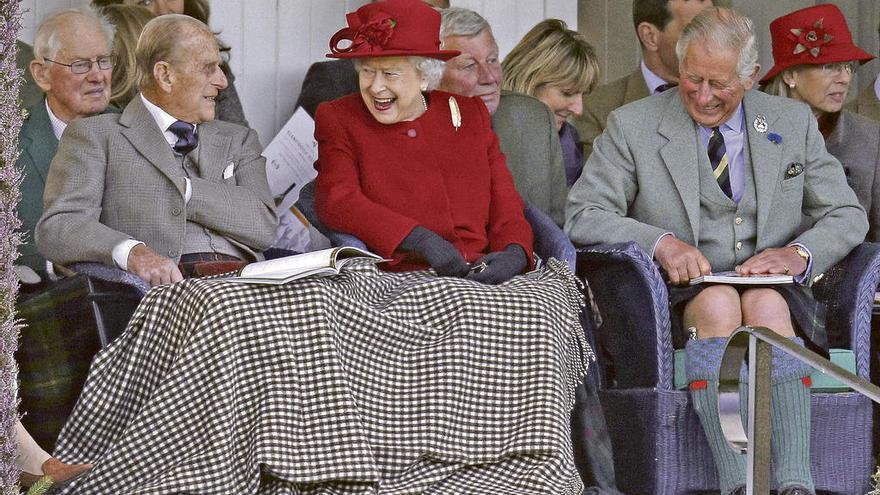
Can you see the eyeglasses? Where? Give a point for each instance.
(837, 68)
(83, 66)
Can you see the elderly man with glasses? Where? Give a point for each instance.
(72, 66)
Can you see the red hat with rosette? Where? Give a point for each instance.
(394, 28)
(812, 36)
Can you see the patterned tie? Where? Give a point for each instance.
(187, 139)
(664, 87)
(718, 159)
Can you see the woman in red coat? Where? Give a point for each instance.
(416, 174)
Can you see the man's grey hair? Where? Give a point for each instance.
(457, 21)
(723, 28)
(47, 42)
(166, 38)
(430, 68)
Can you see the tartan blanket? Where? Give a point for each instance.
(367, 382)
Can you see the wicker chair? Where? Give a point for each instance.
(659, 446)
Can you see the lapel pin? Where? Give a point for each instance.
(456, 113)
(760, 124)
(774, 138)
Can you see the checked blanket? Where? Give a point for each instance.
(363, 383)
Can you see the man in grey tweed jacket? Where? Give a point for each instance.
(141, 189)
(653, 178)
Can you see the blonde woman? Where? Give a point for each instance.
(129, 21)
(557, 66)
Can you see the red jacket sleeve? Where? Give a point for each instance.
(339, 200)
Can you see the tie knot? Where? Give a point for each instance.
(187, 139)
(664, 87)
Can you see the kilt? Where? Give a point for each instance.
(363, 383)
(807, 314)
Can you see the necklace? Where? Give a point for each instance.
(424, 102)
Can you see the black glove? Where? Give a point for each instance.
(501, 266)
(437, 251)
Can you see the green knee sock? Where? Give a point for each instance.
(790, 421)
(703, 360)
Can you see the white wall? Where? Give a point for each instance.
(274, 41)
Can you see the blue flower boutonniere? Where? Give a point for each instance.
(774, 138)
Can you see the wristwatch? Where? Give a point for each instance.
(802, 253)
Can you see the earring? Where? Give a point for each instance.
(791, 85)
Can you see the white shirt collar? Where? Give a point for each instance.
(58, 125)
(652, 80)
(163, 119)
(877, 86)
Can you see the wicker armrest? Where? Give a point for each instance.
(847, 289)
(633, 299)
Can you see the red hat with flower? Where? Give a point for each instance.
(394, 28)
(812, 36)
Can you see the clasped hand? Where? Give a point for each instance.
(682, 262)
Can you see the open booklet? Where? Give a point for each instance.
(734, 278)
(316, 263)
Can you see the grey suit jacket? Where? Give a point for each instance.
(855, 142)
(114, 177)
(604, 100)
(642, 180)
(866, 103)
(37, 145)
(527, 134)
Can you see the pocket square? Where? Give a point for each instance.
(228, 171)
(794, 169)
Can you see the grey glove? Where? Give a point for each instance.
(437, 251)
(501, 266)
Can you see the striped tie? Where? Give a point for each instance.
(718, 159)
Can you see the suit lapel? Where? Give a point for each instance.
(678, 155)
(764, 155)
(144, 134)
(212, 150)
(39, 141)
(636, 87)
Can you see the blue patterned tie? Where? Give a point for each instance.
(187, 139)
(718, 159)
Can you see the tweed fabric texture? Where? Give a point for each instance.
(366, 383)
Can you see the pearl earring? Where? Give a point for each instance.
(791, 85)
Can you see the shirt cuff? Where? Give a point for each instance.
(121, 251)
(803, 278)
(654, 249)
(189, 191)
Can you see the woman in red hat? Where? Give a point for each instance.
(815, 59)
(416, 174)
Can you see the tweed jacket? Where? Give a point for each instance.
(379, 181)
(36, 145)
(327, 81)
(527, 132)
(642, 180)
(866, 103)
(114, 177)
(605, 99)
(855, 142)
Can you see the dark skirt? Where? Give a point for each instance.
(807, 314)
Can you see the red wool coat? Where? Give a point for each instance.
(379, 181)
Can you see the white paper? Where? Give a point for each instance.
(290, 159)
(294, 231)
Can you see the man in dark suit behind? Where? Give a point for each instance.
(162, 187)
(79, 37)
(658, 25)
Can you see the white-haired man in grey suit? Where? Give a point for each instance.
(162, 187)
(716, 177)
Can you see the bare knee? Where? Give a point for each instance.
(714, 312)
(767, 308)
